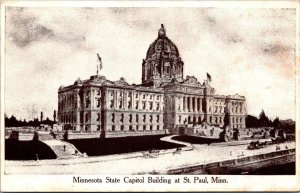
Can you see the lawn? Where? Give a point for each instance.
(27, 150)
(195, 140)
(109, 146)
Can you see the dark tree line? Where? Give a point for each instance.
(14, 122)
(264, 121)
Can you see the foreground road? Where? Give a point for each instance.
(134, 163)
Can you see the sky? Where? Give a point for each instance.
(249, 51)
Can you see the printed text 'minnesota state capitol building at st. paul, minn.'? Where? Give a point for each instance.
(163, 102)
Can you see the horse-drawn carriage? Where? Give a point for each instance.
(257, 145)
(151, 154)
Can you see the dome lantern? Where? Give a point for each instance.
(162, 32)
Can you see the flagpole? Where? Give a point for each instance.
(97, 66)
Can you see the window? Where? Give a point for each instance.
(136, 95)
(98, 127)
(144, 127)
(122, 118)
(130, 128)
(129, 105)
(122, 127)
(144, 105)
(87, 103)
(130, 118)
(86, 117)
(151, 96)
(157, 97)
(179, 119)
(98, 92)
(150, 105)
(120, 104)
(144, 118)
(98, 102)
(113, 127)
(98, 117)
(136, 105)
(144, 96)
(151, 127)
(157, 118)
(113, 118)
(150, 118)
(157, 127)
(111, 103)
(157, 106)
(137, 118)
(137, 127)
(87, 93)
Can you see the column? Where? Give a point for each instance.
(184, 104)
(190, 103)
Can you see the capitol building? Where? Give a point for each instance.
(164, 101)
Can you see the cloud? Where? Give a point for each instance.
(25, 29)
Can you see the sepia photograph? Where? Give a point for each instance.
(175, 93)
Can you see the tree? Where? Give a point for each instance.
(251, 121)
(263, 120)
(276, 123)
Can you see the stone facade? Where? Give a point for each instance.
(164, 100)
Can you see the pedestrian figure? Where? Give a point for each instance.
(286, 147)
(64, 147)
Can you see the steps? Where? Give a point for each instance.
(62, 149)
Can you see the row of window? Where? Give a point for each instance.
(135, 127)
(236, 120)
(144, 105)
(65, 101)
(136, 95)
(98, 93)
(67, 118)
(152, 118)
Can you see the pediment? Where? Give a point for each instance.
(191, 80)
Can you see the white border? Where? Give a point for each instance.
(64, 182)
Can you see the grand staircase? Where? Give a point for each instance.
(62, 149)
